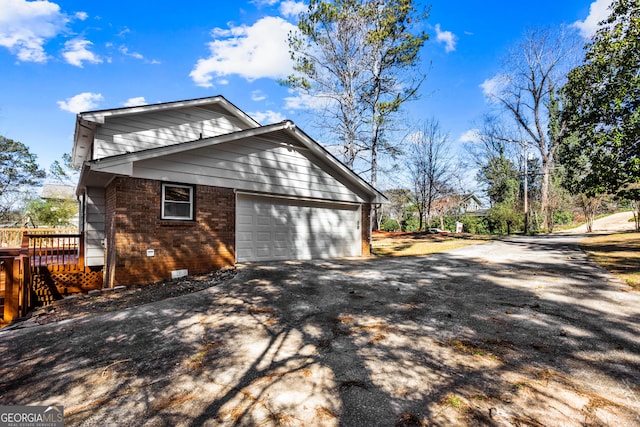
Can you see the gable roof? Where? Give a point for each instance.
(470, 196)
(87, 122)
(99, 171)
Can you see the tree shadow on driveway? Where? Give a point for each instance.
(523, 332)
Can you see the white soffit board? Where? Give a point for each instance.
(270, 228)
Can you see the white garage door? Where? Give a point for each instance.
(270, 228)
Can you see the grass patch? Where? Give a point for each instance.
(468, 347)
(454, 402)
(415, 244)
(325, 414)
(617, 253)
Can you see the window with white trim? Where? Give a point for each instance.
(177, 202)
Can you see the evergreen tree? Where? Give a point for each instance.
(602, 99)
(19, 170)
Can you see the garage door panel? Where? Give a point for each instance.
(280, 221)
(264, 220)
(244, 236)
(283, 229)
(262, 253)
(263, 237)
(280, 253)
(245, 219)
(281, 238)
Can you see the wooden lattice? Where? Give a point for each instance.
(50, 285)
(86, 281)
(44, 289)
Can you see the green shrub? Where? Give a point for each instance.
(474, 225)
(563, 217)
(497, 217)
(410, 224)
(390, 224)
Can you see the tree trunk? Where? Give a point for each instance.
(544, 194)
(374, 175)
(420, 219)
(590, 208)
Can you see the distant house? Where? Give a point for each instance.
(60, 193)
(195, 185)
(57, 192)
(469, 204)
(459, 205)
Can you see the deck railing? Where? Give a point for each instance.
(12, 237)
(14, 275)
(59, 250)
(50, 249)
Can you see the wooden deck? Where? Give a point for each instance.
(47, 266)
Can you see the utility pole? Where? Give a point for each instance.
(526, 185)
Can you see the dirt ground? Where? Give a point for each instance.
(515, 332)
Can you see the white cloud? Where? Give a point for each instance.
(261, 3)
(125, 51)
(297, 102)
(25, 27)
(81, 102)
(267, 117)
(252, 52)
(134, 102)
(598, 11)
(76, 51)
(472, 135)
(301, 101)
(493, 86)
(446, 37)
(81, 16)
(123, 32)
(291, 9)
(258, 95)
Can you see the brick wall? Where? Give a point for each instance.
(133, 213)
(109, 235)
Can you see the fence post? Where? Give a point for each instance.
(11, 291)
(81, 244)
(25, 286)
(25, 243)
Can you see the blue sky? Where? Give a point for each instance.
(58, 58)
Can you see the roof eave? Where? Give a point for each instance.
(123, 162)
(353, 177)
(82, 140)
(99, 116)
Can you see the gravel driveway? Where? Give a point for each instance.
(522, 332)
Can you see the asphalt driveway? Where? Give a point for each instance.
(518, 332)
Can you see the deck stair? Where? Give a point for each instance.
(47, 266)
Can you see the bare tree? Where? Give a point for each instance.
(398, 199)
(331, 64)
(493, 140)
(361, 57)
(430, 167)
(496, 159)
(532, 72)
